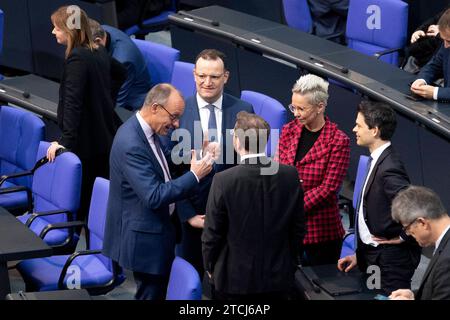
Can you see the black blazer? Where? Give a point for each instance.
(387, 178)
(436, 280)
(254, 227)
(86, 115)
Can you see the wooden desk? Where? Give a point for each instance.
(17, 242)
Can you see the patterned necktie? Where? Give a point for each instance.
(160, 154)
(212, 123)
(163, 163)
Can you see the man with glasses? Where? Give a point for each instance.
(209, 116)
(423, 216)
(141, 225)
(380, 240)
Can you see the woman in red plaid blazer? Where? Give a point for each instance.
(321, 154)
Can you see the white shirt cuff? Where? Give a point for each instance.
(198, 180)
(435, 93)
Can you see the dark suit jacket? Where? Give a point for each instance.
(438, 68)
(387, 178)
(231, 106)
(253, 229)
(436, 280)
(137, 84)
(86, 113)
(139, 233)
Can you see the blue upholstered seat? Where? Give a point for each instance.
(160, 60)
(377, 25)
(183, 78)
(270, 110)
(97, 273)
(297, 15)
(20, 134)
(184, 282)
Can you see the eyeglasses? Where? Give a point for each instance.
(213, 77)
(409, 225)
(173, 118)
(293, 108)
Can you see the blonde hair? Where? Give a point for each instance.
(76, 36)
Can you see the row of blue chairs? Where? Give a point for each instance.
(49, 194)
(374, 27)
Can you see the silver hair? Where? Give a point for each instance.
(313, 86)
(415, 202)
(159, 94)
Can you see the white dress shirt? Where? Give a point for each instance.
(253, 155)
(148, 131)
(363, 230)
(204, 115)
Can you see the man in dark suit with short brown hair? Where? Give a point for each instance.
(254, 223)
(381, 241)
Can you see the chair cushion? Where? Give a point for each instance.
(371, 49)
(43, 273)
(52, 238)
(12, 200)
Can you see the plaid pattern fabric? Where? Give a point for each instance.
(321, 173)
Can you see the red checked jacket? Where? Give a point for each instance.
(321, 173)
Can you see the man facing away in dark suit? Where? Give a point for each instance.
(380, 240)
(254, 221)
(209, 116)
(120, 46)
(423, 216)
(141, 225)
(437, 68)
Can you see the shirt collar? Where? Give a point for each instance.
(378, 151)
(253, 155)
(148, 131)
(438, 242)
(202, 103)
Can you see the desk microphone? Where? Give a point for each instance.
(26, 94)
(215, 23)
(322, 63)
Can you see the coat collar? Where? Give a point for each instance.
(383, 156)
(142, 136)
(316, 150)
(433, 260)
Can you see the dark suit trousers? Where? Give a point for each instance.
(150, 287)
(327, 252)
(397, 264)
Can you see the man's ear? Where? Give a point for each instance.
(226, 75)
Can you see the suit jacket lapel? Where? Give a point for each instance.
(293, 140)
(319, 146)
(433, 260)
(383, 155)
(153, 157)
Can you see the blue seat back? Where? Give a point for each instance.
(360, 177)
(97, 217)
(160, 60)
(183, 78)
(1, 29)
(57, 185)
(297, 15)
(377, 25)
(184, 282)
(20, 134)
(348, 245)
(270, 110)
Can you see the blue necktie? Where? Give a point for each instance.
(358, 203)
(212, 124)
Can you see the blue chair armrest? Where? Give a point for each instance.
(69, 262)
(35, 215)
